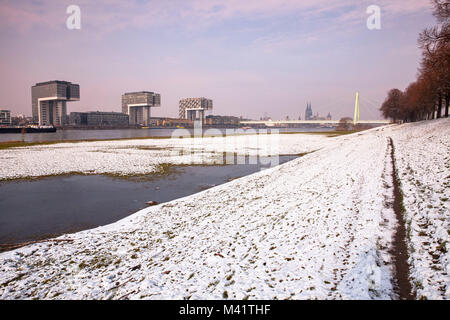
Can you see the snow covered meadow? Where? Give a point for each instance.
(318, 227)
(143, 156)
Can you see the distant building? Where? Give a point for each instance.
(48, 101)
(5, 117)
(194, 108)
(308, 112)
(21, 120)
(222, 120)
(310, 116)
(170, 122)
(99, 119)
(266, 117)
(137, 105)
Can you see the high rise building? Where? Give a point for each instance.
(48, 101)
(308, 112)
(137, 105)
(5, 117)
(194, 108)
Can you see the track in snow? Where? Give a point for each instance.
(400, 249)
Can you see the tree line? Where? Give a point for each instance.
(428, 96)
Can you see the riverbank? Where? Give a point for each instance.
(24, 144)
(321, 226)
(126, 157)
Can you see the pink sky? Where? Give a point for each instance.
(250, 57)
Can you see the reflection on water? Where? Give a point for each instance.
(38, 209)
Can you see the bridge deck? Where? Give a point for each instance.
(276, 122)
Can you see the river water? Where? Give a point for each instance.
(64, 135)
(48, 207)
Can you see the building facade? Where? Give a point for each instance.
(5, 117)
(137, 106)
(222, 120)
(48, 101)
(194, 108)
(98, 119)
(170, 122)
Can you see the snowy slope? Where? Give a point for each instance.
(318, 227)
(423, 159)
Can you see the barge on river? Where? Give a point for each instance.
(28, 129)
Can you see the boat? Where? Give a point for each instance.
(29, 129)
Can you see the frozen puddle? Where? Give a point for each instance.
(43, 208)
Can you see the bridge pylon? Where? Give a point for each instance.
(356, 115)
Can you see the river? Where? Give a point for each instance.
(64, 135)
(49, 207)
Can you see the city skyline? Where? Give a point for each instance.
(251, 58)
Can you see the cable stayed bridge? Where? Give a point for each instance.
(356, 119)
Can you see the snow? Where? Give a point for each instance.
(317, 227)
(422, 153)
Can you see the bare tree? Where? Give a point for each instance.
(392, 107)
(425, 98)
(435, 36)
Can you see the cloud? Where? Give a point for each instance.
(261, 51)
(108, 16)
(405, 7)
(15, 16)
